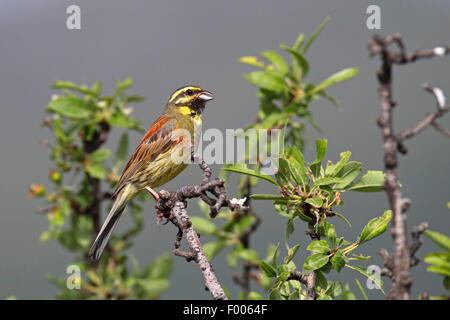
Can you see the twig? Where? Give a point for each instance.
(417, 242)
(311, 277)
(398, 264)
(173, 206)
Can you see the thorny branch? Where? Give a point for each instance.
(399, 262)
(172, 204)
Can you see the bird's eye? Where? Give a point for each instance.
(190, 92)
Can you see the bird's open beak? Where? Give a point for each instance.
(205, 96)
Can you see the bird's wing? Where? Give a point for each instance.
(157, 140)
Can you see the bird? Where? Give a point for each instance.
(156, 159)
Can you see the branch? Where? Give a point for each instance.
(398, 264)
(172, 205)
(430, 119)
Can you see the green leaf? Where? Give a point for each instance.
(343, 218)
(74, 87)
(338, 260)
(375, 227)
(96, 170)
(267, 197)
(249, 255)
(361, 289)
(255, 296)
(71, 107)
(439, 270)
(315, 261)
(212, 248)
(118, 119)
(336, 168)
(319, 246)
(321, 149)
(275, 255)
(300, 60)
(441, 260)
(326, 181)
(276, 295)
(314, 35)
(154, 287)
(347, 294)
(372, 181)
(276, 60)
(99, 155)
(348, 173)
(123, 85)
(372, 276)
(268, 269)
(267, 80)
(298, 43)
(242, 168)
(122, 149)
(337, 77)
(331, 234)
(252, 60)
(438, 238)
(283, 172)
(316, 202)
(288, 232)
(203, 226)
(297, 166)
(291, 253)
(161, 267)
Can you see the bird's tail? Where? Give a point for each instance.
(119, 205)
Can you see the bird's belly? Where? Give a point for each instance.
(160, 171)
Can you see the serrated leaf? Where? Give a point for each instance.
(375, 227)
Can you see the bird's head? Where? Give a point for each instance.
(189, 100)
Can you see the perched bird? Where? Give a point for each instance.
(153, 163)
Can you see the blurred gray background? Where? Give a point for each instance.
(163, 45)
